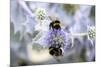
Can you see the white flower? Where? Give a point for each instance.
(40, 13)
(91, 33)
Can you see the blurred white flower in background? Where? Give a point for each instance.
(40, 13)
(91, 33)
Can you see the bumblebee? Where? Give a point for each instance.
(55, 25)
(55, 49)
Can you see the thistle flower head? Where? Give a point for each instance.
(56, 38)
(40, 13)
(91, 33)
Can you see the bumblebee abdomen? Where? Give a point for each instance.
(55, 51)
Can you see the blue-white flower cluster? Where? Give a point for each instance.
(56, 38)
